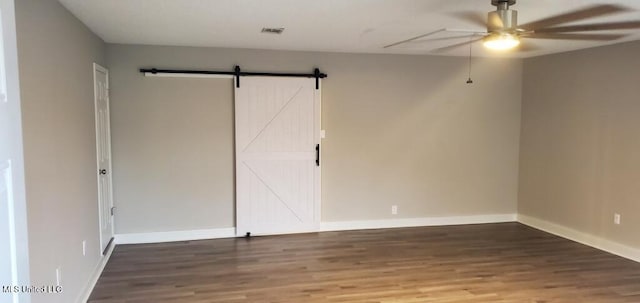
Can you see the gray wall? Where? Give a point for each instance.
(402, 130)
(580, 150)
(56, 53)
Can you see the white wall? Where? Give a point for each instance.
(402, 130)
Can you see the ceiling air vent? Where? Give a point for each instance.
(273, 30)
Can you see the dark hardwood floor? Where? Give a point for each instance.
(506, 262)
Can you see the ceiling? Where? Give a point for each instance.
(354, 26)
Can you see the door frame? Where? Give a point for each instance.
(317, 96)
(99, 68)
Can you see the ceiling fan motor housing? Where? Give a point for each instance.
(508, 21)
(499, 2)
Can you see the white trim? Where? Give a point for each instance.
(173, 236)
(416, 222)
(101, 68)
(581, 237)
(230, 232)
(183, 75)
(88, 288)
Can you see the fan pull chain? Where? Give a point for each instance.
(470, 48)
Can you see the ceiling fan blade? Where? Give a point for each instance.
(585, 13)
(444, 38)
(414, 38)
(527, 47)
(591, 27)
(586, 37)
(468, 31)
(454, 46)
(476, 18)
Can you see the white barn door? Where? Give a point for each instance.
(277, 175)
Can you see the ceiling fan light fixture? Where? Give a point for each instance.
(501, 42)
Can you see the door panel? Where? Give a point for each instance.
(103, 148)
(277, 180)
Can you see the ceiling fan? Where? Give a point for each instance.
(504, 33)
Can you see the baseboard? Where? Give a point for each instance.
(583, 238)
(95, 275)
(173, 236)
(188, 235)
(416, 222)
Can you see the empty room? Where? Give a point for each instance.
(379, 151)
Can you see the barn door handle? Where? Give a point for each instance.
(102, 171)
(317, 154)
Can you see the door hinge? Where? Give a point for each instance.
(112, 210)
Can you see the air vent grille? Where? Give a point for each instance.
(273, 30)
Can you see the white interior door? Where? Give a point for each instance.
(103, 147)
(8, 251)
(14, 263)
(277, 177)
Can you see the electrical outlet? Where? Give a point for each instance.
(59, 276)
(84, 247)
(394, 209)
(616, 219)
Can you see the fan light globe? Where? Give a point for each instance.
(501, 42)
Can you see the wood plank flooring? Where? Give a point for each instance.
(506, 262)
